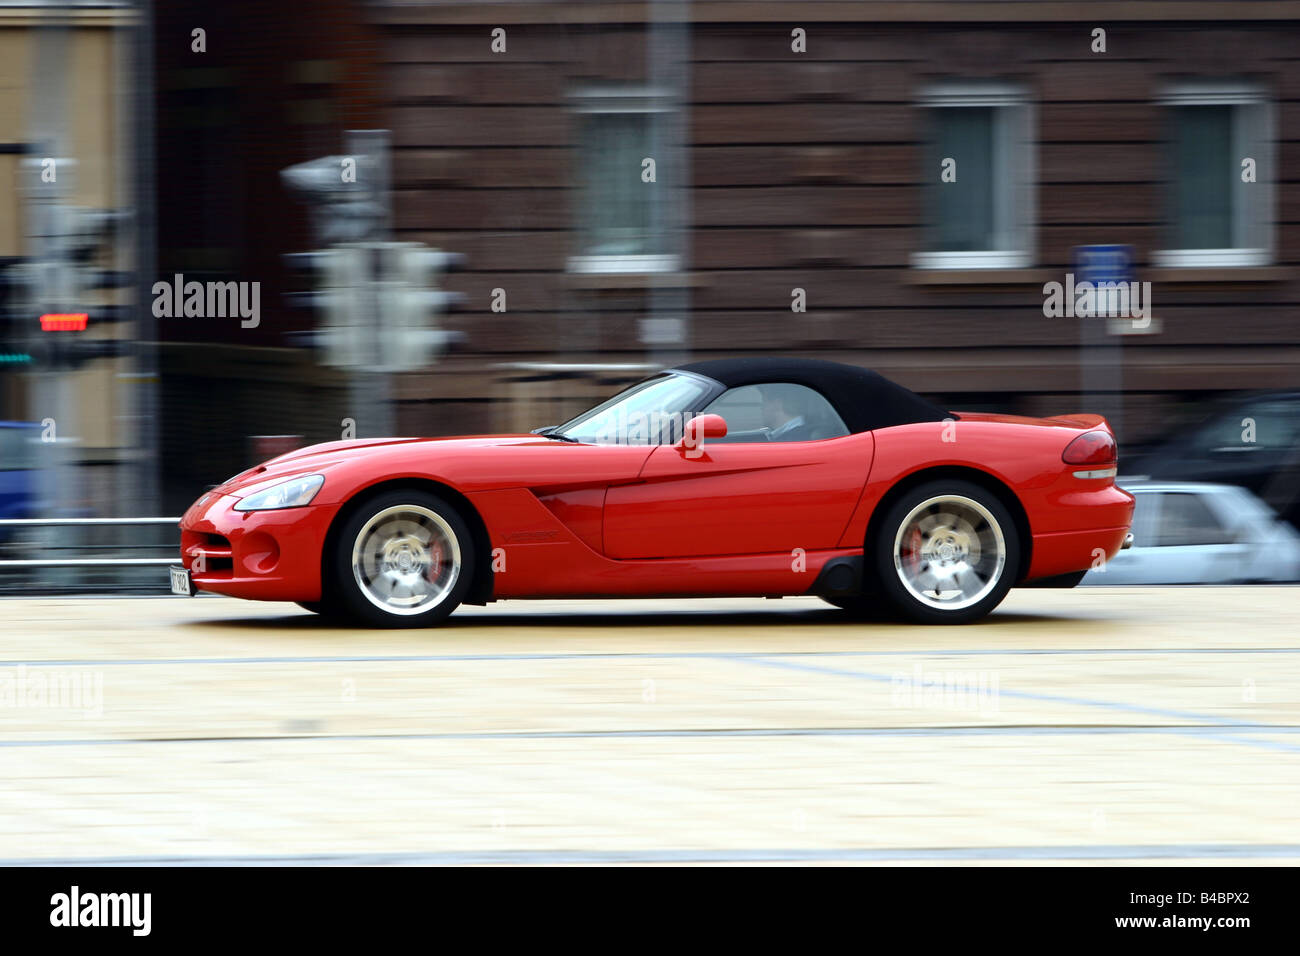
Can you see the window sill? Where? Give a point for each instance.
(626, 272)
(1234, 258)
(623, 265)
(971, 261)
(1214, 274)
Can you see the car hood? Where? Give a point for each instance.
(320, 457)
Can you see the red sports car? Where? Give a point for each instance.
(739, 477)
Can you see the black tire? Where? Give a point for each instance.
(357, 591)
(951, 525)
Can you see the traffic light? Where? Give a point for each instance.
(49, 293)
(15, 352)
(344, 194)
(410, 302)
(90, 238)
(378, 303)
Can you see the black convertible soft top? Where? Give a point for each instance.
(864, 399)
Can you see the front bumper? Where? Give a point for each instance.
(260, 555)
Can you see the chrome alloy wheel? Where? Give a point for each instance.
(406, 559)
(949, 552)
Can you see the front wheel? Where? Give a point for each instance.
(946, 552)
(404, 559)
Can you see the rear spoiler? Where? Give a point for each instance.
(1083, 421)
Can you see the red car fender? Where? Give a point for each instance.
(1072, 521)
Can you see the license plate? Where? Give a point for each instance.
(181, 582)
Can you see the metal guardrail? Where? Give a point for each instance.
(83, 562)
(15, 522)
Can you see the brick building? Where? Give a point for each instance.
(800, 146)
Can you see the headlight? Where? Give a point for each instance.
(291, 493)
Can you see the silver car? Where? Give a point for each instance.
(1192, 533)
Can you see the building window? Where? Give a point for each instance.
(1216, 218)
(979, 175)
(620, 216)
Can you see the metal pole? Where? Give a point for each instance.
(667, 333)
(46, 228)
(144, 352)
(370, 396)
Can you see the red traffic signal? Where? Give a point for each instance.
(64, 322)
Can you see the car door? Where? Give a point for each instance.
(745, 494)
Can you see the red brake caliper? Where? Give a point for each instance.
(912, 551)
(435, 563)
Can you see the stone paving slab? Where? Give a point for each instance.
(1127, 725)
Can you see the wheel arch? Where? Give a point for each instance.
(985, 480)
(480, 589)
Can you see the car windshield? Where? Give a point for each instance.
(653, 412)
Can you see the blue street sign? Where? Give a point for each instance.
(1103, 264)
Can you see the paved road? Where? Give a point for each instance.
(1135, 725)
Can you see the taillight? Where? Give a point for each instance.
(1091, 448)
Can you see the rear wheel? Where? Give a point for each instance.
(946, 552)
(404, 559)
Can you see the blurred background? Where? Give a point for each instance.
(233, 229)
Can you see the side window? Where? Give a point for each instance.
(1277, 424)
(1185, 519)
(1223, 434)
(776, 412)
(1261, 426)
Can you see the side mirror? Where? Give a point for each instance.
(699, 428)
